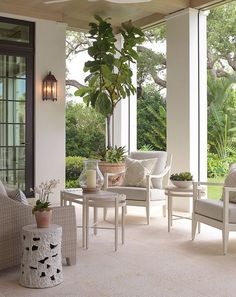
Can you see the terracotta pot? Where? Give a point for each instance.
(43, 218)
(106, 167)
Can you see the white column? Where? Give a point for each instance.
(186, 94)
(50, 115)
(124, 124)
(202, 174)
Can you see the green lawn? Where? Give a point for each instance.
(214, 192)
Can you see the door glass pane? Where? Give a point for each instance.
(13, 178)
(12, 120)
(3, 111)
(12, 158)
(12, 66)
(16, 112)
(14, 32)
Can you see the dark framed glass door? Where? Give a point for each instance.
(16, 117)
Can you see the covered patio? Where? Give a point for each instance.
(186, 78)
(152, 262)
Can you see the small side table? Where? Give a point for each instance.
(172, 191)
(106, 199)
(41, 265)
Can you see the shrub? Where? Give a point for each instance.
(72, 184)
(217, 167)
(74, 166)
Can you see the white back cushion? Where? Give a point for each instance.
(159, 166)
(136, 171)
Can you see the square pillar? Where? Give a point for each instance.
(186, 95)
(124, 122)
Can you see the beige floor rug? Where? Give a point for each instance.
(152, 263)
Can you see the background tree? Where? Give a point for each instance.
(151, 119)
(85, 130)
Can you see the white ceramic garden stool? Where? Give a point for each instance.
(41, 265)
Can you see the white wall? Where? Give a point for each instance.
(49, 116)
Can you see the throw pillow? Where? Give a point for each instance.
(136, 171)
(230, 181)
(2, 189)
(17, 195)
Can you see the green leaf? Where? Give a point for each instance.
(81, 92)
(103, 104)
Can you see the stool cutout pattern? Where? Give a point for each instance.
(41, 265)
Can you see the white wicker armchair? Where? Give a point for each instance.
(15, 215)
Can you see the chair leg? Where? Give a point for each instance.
(194, 228)
(148, 214)
(199, 227)
(164, 210)
(104, 213)
(225, 236)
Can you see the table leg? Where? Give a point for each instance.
(123, 223)
(169, 211)
(87, 222)
(116, 224)
(83, 222)
(95, 220)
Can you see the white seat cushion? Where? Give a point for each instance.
(214, 209)
(139, 194)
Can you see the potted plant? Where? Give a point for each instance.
(41, 210)
(110, 77)
(112, 161)
(182, 179)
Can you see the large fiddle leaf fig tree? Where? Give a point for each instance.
(110, 75)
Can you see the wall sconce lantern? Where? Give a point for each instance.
(50, 87)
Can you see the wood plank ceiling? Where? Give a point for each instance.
(78, 13)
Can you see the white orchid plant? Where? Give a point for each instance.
(42, 192)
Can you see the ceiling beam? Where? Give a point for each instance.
(149, 20)
(205, 3)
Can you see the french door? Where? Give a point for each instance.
(16, 118)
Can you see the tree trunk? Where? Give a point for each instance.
(108, 119)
